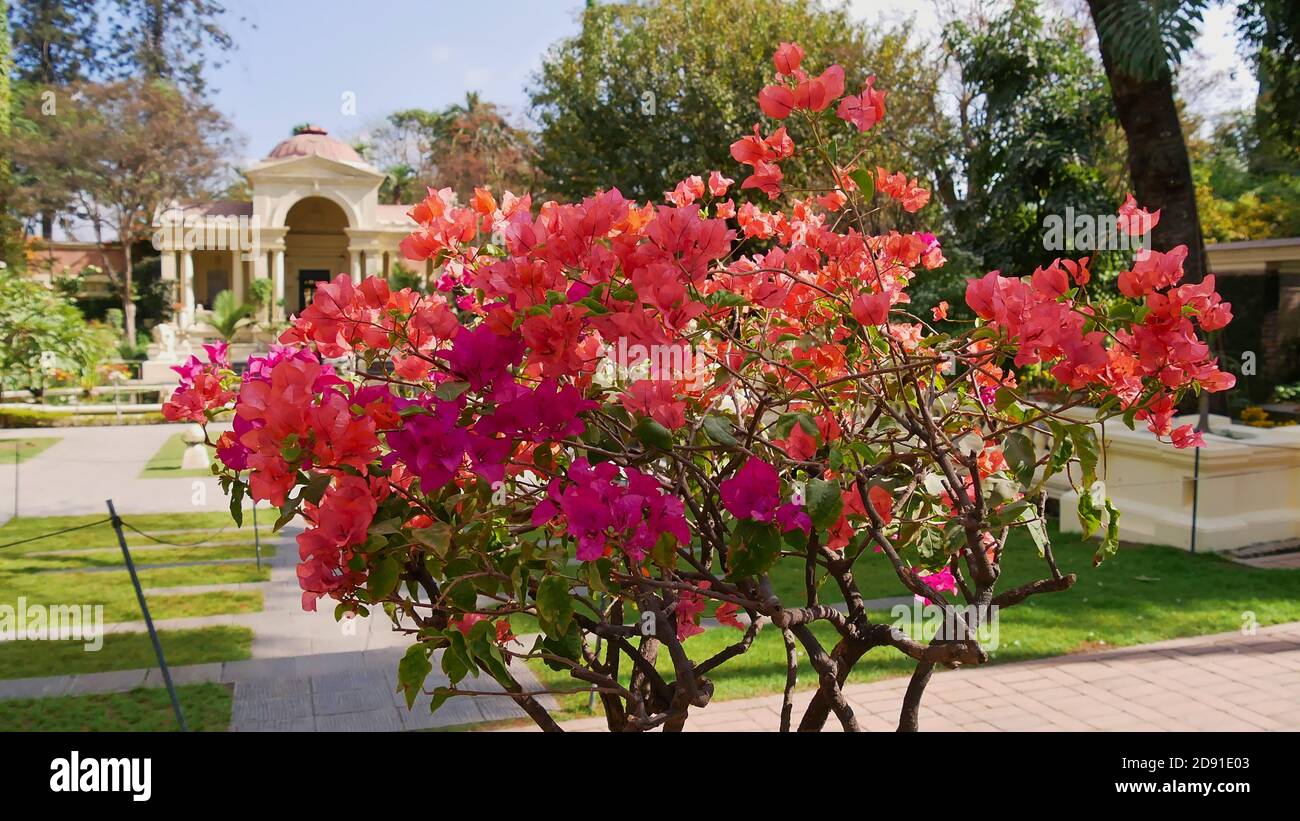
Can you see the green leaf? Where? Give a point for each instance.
(456, 659)
(1037, 530)
(448, 391)
(753, 549)
(650, 433)
(718, 429)
(863, 178)
(1089, 515)
(567, 645)
(412, 670)
(1086, 448)
(1109, 542)
(383, 578)
(1021, 457)
(237, 503)
(823, 502)
(440, 696)
(554, 605)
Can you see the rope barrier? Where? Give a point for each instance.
(205, 540)
(54, 533)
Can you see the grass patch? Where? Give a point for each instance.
(166, 463)
(96, 547)
(114, 591)
(124, 651)
(146, 710)
(1143, 594)
(164, 525)
(27, 448)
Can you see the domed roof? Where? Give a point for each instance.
(315, 140)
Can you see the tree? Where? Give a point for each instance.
(38, 328)
(126, 150)
(1271, 29)
(648, 93)
(1034, 134)
(11, 248)
(171, 40)
(1141, 43)
(56, 42)
(459, 147)
(691, 420)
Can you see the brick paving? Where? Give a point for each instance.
(1226, 681)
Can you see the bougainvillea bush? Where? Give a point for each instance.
(617, 418)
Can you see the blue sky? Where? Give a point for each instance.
(296, 59)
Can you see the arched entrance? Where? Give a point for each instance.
(315, 249)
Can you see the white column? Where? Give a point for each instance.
(168, 260)
(261, 271)
(187, 288)
(277, 273)
(237, 277)
(356, 266)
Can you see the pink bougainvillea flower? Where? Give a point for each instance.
(656, 398)
(907, 192)
(719, 184)
(766, 178)
(753, 493)
(816, 93)
(940, 311)
(1187, 436)
(864, 110)
(690, 606)
(776, 102)
(686, 192)
(1136, 221)
(791, 516)
(871, 309)
(941, 581)
(799, 444)
(727, 613)
(787, 58)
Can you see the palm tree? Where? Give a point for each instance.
(228, 317)
(1142, 42)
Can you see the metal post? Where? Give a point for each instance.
(148, 622)
(17, 445)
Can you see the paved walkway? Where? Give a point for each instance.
(88, 465)
(1221, 682)
(353, 691)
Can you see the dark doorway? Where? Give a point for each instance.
(307, 281)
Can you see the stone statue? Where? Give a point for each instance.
(164, 335)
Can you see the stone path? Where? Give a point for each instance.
(88, 465)
(354, 691)
(1226, 681)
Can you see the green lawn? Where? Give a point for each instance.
(101, 535)
(27, 447)
(166, 463)
(206, 708)
(123, 651)
(23, 567)
(1143, 594)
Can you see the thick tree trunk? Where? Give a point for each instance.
(1157, 154)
